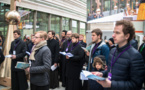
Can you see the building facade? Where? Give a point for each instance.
(47, 15)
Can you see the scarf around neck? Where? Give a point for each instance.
(36, 47)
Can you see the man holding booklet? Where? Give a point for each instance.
(17, 51)
(126, 66)
(74, 63)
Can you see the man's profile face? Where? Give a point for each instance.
(81, 38)
(37, 38)
(68, 35)
(74, 40)
(16, 35)
(50, 35)
(63, 34)
(144, 39)
(118, 35)
(95, 37)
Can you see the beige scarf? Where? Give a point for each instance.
(36, 47)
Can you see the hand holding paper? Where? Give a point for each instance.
(8, 56)
(89, 75)
(53, 67)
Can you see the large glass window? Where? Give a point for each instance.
(106, 5)
(65, 24)
(42, 21)
(82, 28)
(114, 6)
(122, 4)
(74, 26)
(55, 24)
(27, 20)
(3, 24)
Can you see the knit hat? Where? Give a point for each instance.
(111, 39)
(100, 59)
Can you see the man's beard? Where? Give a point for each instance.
(68, 38)
(144, 41)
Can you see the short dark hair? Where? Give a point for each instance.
(75, 35)
(64, 31)
(17, 31)
(53, 33)
(97, 32)
(128, 28)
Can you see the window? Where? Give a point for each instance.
(42, 21)
(55, 24)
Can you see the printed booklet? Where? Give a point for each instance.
(22, 65)
(85, 75)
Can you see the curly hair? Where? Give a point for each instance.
(128, 28)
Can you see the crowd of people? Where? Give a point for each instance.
(118, 59)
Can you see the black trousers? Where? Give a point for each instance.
(19, 80)
(34, 87)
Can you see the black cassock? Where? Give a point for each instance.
(18, 76)
(53, 45)
(74, 67)
(63, 61)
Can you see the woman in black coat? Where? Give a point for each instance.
(74, 65)
(1, 57)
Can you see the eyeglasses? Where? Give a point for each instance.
(36, 37)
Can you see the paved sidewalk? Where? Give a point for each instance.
(8, 88)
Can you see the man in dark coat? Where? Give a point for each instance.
(82, 43)
(40, 58)
(74, 64)
(2, 57)
(65, 46)
(142, 51)
(110, 43)
(142, 48)
(134, 43)
(18, 52)
(63, 37)
(126, 66)
(53, 45)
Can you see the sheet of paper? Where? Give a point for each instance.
(28, 53)
(53, 67)
(84, 49)
(63, 53)
(82, 76)
(69, 54)
(86, 73)
(8, 56)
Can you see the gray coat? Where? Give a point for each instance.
(39, 68)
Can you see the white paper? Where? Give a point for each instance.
(53, 67)
(84, 49)
(67, 54)
(28, 53)
(63, 53)
(14, 52)
(82, 76)
(86, 73)
(30, 62)
(8, 56)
